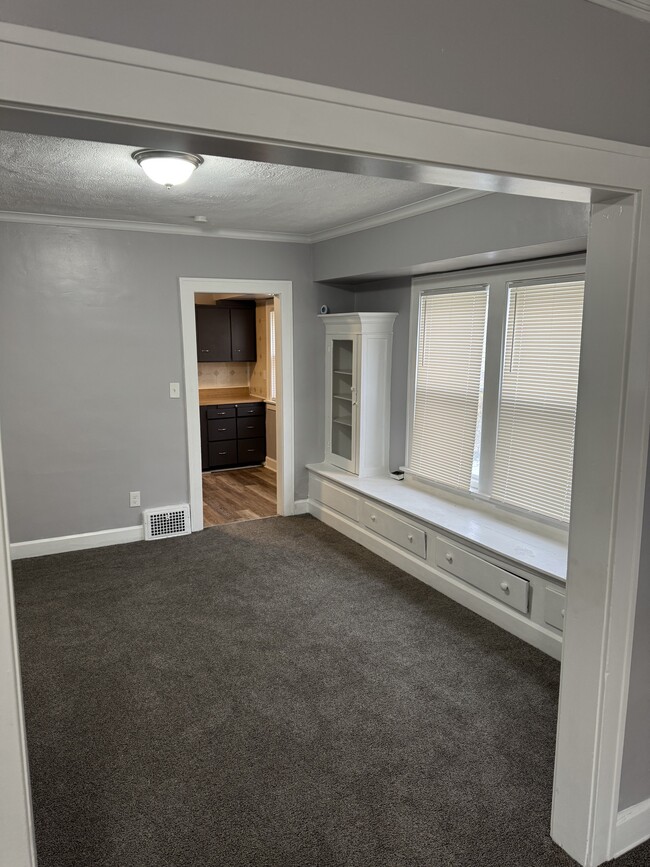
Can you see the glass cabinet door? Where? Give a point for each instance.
(343, 402)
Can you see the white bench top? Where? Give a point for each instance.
(543, 550)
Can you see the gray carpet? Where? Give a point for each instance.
(269, 693)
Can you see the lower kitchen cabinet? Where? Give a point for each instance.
(232, 435)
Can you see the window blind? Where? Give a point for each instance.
(449, 374)
(537, 406)
(273, 383)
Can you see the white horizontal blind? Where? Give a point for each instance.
(272, 364)
(537, 406)
(451, 348)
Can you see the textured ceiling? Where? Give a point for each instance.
(43, 175)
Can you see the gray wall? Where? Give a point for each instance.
(635, 775)
(494, 228)
(392, 296)
(561, 64)
(90, 338)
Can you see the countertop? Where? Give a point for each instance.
(221, 396)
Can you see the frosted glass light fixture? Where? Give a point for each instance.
(168, 168)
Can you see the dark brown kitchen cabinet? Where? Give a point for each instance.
(212, 333)
(226, 331)
(242, 334)
(232, 435)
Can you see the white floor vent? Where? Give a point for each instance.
(166, 522)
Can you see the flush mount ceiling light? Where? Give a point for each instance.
(168, 168)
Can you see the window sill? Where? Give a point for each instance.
(542, 549)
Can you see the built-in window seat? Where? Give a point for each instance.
(509, 571)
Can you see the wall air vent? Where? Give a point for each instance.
(166, 522)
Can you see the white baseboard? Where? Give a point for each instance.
(301, 507)
(271, 464)
(456, 589)
(78, 542)
(632, 828)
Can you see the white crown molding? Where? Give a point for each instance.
(161, 228)
(637, 8)
(444, 200)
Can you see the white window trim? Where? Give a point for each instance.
(497, 279)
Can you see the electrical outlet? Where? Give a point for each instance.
(134, 498)
(174, 389)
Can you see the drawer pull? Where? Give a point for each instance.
(221, 428)
(251, 427)
(562, 613)
(449, 558)
(410, 537)
(505, 586)
(373, 517)
(222, 453)
(250, 450)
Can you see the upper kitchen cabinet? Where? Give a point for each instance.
(242, 333)
(226, 331)
(212, 333)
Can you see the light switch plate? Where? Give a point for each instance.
(174, 389)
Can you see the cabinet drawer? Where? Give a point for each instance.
(251, 427)
(554, 605)
(220, 412)
(395, 529)
(222, 429)
(503, 585)
(246, 409)
(251, 451)
(222, 454)
(329, 495)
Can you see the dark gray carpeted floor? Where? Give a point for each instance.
(269, 693)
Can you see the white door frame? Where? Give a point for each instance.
(57, 83)
(282, 289)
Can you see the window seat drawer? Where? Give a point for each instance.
(334, 497)
(396, 530)
(499, 583)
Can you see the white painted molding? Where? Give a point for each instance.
(301, 507)
(435, 203)
(632, 828)
(636, 8)
(444, 200)
(76, 542)
(156, 228)
(37, 41)
(16, 817)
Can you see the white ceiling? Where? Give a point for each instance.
(43, 175)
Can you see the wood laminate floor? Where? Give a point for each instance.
(238, 495)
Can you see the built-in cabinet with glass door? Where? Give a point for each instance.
(358, 362)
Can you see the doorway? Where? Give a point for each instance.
(237, 406)
(239, 489)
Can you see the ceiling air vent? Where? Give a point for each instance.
(166, 522)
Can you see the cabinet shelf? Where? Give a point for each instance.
(342, 397)
(343, 372)
(342, 421)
